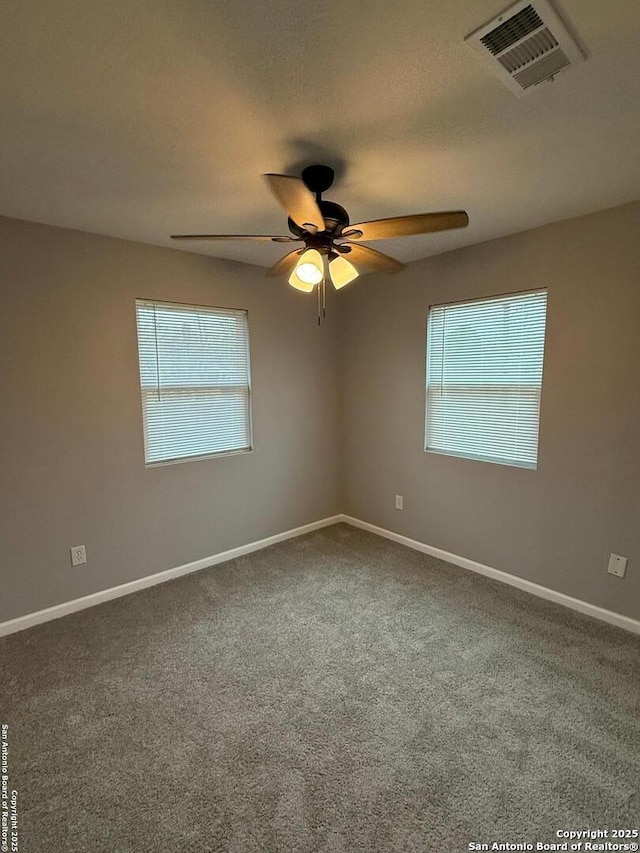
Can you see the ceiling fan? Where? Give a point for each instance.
(331, 246)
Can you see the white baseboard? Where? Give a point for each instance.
(609, 616)
(31, 619)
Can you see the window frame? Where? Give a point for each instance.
(200, 456)
(523, 466)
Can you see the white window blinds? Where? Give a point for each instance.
(484, 377)
(194, 380)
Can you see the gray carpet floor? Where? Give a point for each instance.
(333, 693)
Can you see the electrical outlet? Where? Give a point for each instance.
(78, 555)
(617, 565)
(399, 502)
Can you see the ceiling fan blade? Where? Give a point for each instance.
(297, 200)
(285, 264)
(276, 239)
(374, 259)
(418, 223)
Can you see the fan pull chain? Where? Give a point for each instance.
(322, 300)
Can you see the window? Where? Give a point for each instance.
(194, 380)
(484, 376)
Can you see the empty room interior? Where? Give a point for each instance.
(320, 426)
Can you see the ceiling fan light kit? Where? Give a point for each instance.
(308, 272)
(341, 271)
(324, 229)
(310, 267)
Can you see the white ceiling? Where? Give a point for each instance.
(139, 119)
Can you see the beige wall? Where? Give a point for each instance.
(71, 449)
(557, 525)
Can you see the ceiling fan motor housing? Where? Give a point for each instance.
(335, 219)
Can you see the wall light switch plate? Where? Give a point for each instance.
(78, 555)
(617, 565)
(399, 502)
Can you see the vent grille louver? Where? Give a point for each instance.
(531, 49)
(527, 44)
(517, 27)
(547, 67)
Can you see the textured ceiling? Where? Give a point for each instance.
(139, 119)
